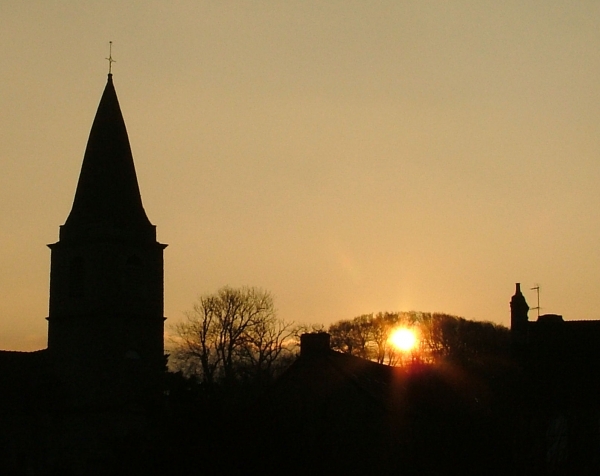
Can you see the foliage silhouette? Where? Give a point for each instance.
(442, 337)
(231, 337)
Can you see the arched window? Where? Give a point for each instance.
(77, 277)
(134, 280)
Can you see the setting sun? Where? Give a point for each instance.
(403, 339)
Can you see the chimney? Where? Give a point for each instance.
(519, 323)
(314, 344)
(518, 310)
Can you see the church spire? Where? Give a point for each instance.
(106, 316)
(107, 200)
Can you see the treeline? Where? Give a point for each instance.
(234, 337)
(439, 338)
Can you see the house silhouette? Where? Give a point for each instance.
(335, 413)
(558, 415)
(561, 356)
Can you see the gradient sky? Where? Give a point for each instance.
(348, 156)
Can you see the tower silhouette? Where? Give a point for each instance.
(105, 322)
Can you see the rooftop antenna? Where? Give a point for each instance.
(110, 58)
(536, 288)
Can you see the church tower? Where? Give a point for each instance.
(105, 324)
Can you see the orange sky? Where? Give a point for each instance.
(348, 156)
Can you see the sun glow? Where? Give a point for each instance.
(403, 339)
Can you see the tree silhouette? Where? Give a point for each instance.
(230, 336)
(442, 337)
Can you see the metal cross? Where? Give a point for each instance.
(110, 58)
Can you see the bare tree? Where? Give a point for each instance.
(231, 334)
(268, 342)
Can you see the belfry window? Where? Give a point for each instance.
(77, 277)
(133, 278)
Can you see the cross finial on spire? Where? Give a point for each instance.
(110, 58)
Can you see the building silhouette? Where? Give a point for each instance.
(105, 324)
(563, 356)
(559, 412)
(66, 408)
